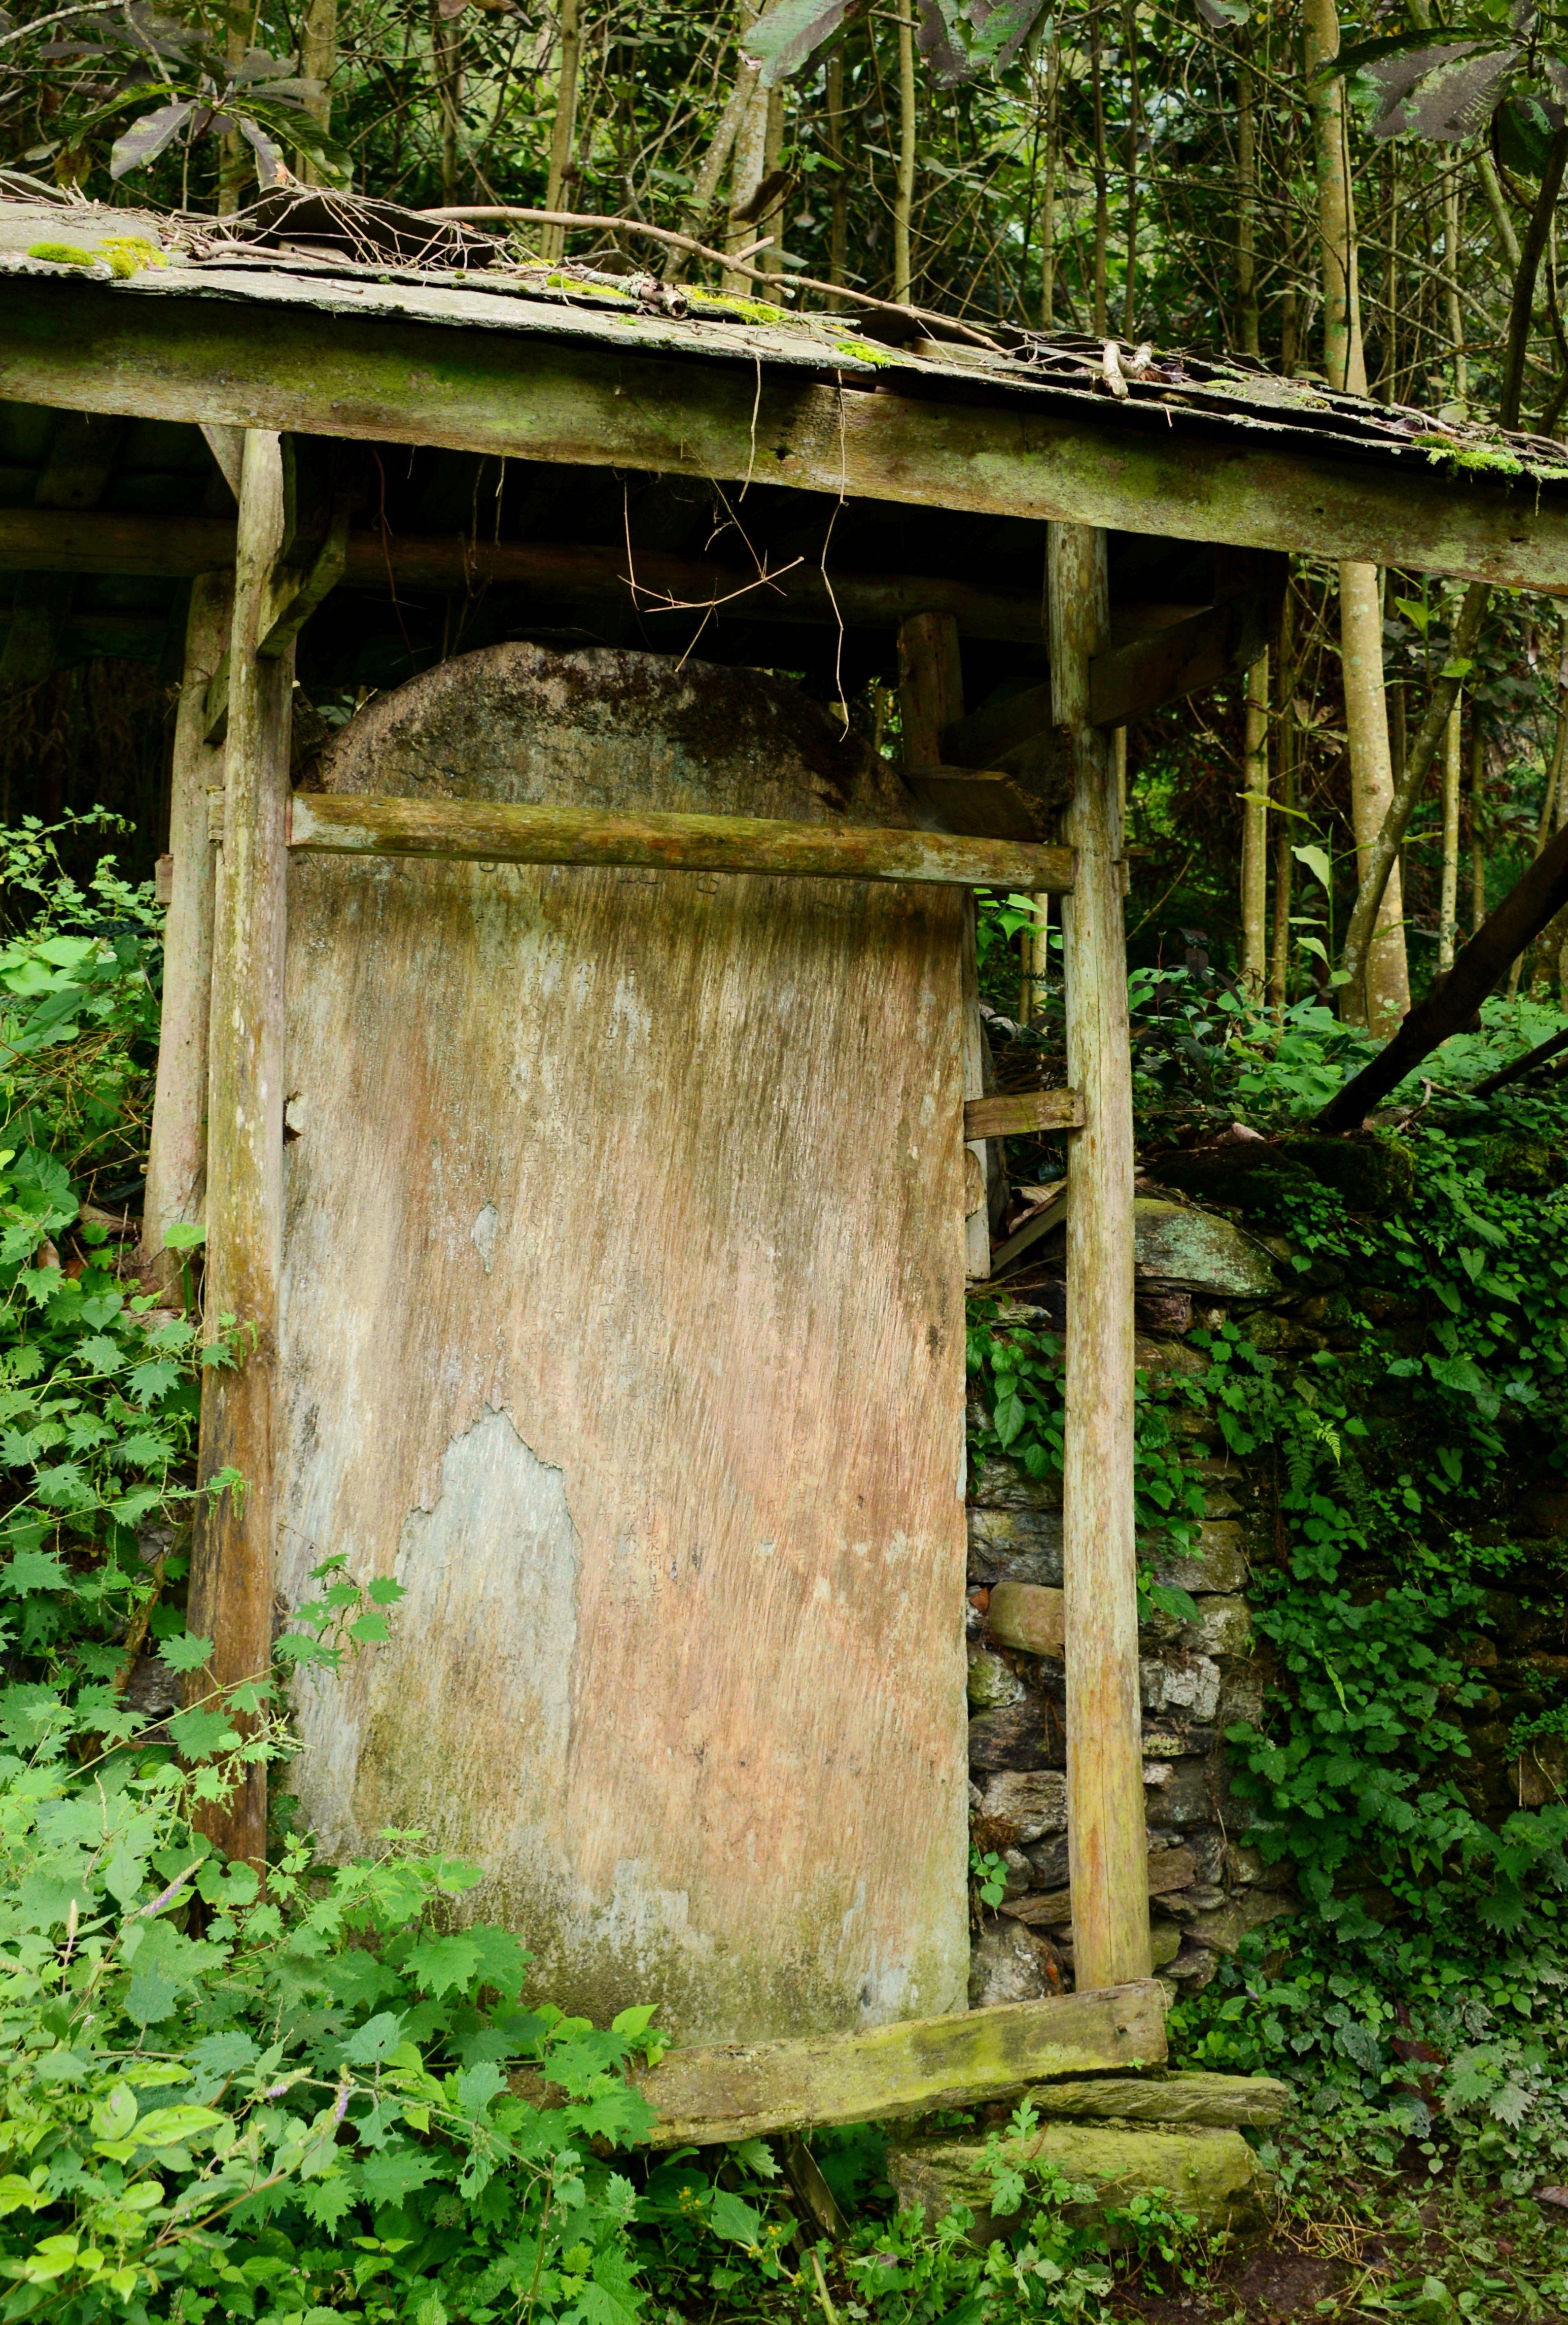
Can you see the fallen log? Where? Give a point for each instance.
(1482, 963)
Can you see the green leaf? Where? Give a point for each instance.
(435, 1965)
(1316, 860)
(184, 1653)
(733, 2219)
(180, 1234)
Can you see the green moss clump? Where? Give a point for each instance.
(744, 311)
(863, 351)
(123, 254)
(1485, 459)
(63, 254)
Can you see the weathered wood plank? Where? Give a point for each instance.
(95, 347)
(1106, 1839)
(491, 831)
(177, 1151)
(1015, 1114)
(931, 698)
(231, 1569)
(738, 2090)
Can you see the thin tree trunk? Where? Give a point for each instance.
(747, 163)
(1477, 853)
(838, 228)
(1343, 358)
(1521, 314)
(1246, 205)
(236, 160)
(1450, 266)
(1049, 197)
(1130, 297)
(904, 199)
(1448, 904)
(717, 160)
(1379, 992)
(1284, 862)
(1101, 181)
(1255, 833)
(1382, 853)
(446, 48)
(771, 222)
(1547, 821)
(318, 63)
(564, 129)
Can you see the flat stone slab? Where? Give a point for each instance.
(1212, 2176)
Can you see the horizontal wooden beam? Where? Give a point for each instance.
(62, 541)
(347, 823)
(739, 2091)
(1019, 1112)
(170, 354)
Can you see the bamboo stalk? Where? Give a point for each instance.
(1106, 1839)
(177, 1152)
(231, 1570)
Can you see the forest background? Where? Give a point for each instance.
(1380, 215)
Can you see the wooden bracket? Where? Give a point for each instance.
(1016, 1114)
(292, 598)
(987, 805)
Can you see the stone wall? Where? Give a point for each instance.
(1207, 1887)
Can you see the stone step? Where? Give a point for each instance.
(1212, 2176)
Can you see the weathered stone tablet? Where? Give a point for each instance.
(623, 1323)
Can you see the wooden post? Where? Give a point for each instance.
(930, 700)
(177, 1156)
(231, 1579)
(1108, 1854)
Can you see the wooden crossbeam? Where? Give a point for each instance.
(1020, 1113)
(112, 542)
(989, 804)
(170, 354)
(739, 2091)
(487, 831)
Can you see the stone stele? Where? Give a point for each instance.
(623, 1323)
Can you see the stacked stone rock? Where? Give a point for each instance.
(1208, 1887)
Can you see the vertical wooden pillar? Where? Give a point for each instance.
(231, 1585)
(930, 700)
(1107, 1845)
(177, 1155)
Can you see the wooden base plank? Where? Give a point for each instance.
(490, 831)
(738, 2090)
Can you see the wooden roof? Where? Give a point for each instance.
(283, 319)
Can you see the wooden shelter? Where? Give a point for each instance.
(720, 1644)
